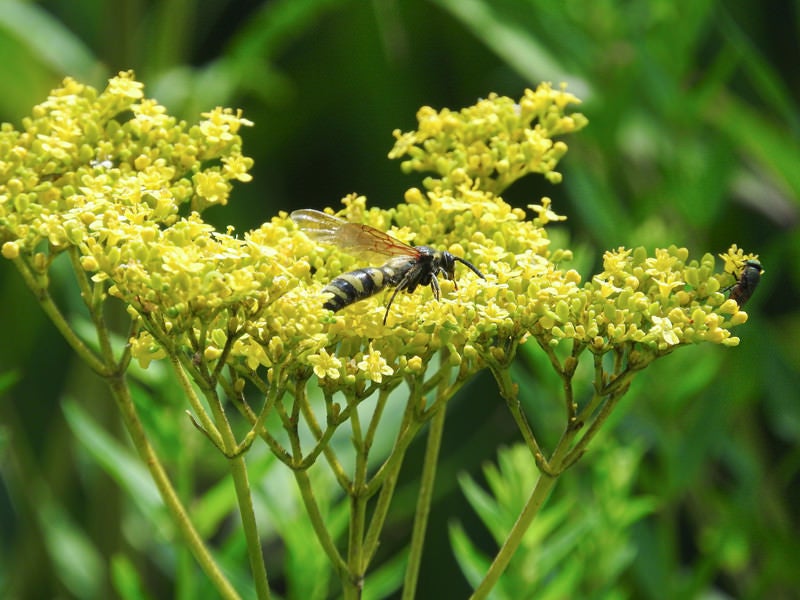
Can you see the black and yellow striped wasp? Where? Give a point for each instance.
(407, 268)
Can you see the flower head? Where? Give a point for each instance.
(99, 166)
(493, 142)
(108, 176)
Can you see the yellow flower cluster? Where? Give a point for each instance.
(104, 175)
(652, 303)
(496, 141)
(88, 166)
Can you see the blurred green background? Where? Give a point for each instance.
(693, 141)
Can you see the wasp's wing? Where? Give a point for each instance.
(352, 237)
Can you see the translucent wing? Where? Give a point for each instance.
(354, 238)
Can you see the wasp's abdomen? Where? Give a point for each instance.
(357, 285)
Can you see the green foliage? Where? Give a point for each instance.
(579, 546)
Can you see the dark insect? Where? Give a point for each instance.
(748, 280)
(407, 268)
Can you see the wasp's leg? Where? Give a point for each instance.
(435, 287)
(388, 306)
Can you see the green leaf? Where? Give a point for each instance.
(513, 42)
(79, 565)
(126, 580)
(53, 44)
(117, 460)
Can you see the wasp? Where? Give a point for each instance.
(408, 267)
(747, 282)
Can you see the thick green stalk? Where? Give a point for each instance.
(424, 503)
(318, 522)
(114, 376)
(540, 492)
(133, 424)
(244, 497)
(358, 509)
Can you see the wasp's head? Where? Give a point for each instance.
(445, 263)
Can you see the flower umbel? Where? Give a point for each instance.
(252, 302)
(496, 141)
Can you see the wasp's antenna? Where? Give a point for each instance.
(471, 266)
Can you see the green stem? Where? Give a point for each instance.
(358, 508)
(424, 503)
(566, 453)
(355, 547)
(318, 523)
(580, 447)
(508, 392)
(322, 437)
(540, 493)
(545, 483)
(93, 296)
(244, 497)
(404, 438)
(386, 479)
(244, 409)
(115, 379)
(383, 397)
(205, 419)
(133, 424)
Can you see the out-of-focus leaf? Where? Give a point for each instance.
(764, 141)
(127, 582)
(117, 460)
(472, 561)
(573, 548)
(531, 59)
(52, 44)
(384, 581)
(77, 562)
(7, 380)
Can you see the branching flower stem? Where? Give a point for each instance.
(38, 286)
(244, 498)
(608, 392)
(113, 372)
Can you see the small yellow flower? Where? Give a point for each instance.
(222, 124)
(129, 172)
(212, 186)
(663, 328)
(125, 85)
(545, 215)
(237, 167)
(491, 143)
(666, 287)
(326, 366)
(375, 366)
